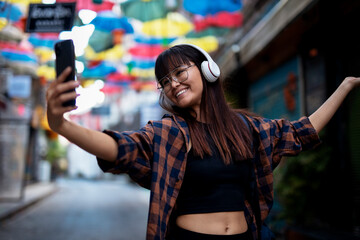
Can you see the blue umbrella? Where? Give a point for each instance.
(205, 7)
(153, 40)
(108, 21)
(10, 11)
(99, 71)
(37, 41)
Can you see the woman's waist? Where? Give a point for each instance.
(219, 223)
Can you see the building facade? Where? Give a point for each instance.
(285, 62)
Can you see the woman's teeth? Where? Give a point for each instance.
(181, 92)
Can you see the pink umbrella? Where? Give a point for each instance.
(89, 4)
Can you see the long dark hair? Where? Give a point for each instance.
(229, 133)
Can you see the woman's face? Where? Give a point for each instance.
(186, 94)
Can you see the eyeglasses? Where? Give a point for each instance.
(178, 75)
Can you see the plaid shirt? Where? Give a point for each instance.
(155, 157)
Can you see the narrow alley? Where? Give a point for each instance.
(83, 209)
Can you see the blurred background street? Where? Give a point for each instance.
(83, 209)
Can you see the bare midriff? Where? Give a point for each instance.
(218, 223)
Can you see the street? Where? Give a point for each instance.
(84, 209)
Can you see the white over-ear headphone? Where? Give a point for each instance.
(209, 68)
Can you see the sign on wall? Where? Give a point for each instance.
(50, 17)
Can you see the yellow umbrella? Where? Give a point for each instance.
(25, 2)
(44, 54)
(174, 25)
(143, 73)
(46, 72)
(111, 54)
(3, 23)
(208, 43)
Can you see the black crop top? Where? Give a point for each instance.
(211, 186)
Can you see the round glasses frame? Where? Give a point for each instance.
(166, 86)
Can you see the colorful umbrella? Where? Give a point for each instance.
(143, 64)
(6, 46)
(208, 43)
(119, 77)
(107, 21)
(89, 4)
(25, 2)
(13, 55)
(43, 40)
(221, 19)
(205, 7)
(111, 89)
(112, 54)
(3, 22)
(11, 33)
(146, 51)
(99, 71)
(10, 11)
(44, 54)
(101, 40)
(210, 31)
(141, 39)
(47, 72)
(143, 73)
(145, 10)
(174, 25)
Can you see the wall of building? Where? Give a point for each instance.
(318, 47)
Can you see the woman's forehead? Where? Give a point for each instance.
(176, 60)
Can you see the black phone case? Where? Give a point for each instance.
(65, 56)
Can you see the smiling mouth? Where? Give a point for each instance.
(181, 92)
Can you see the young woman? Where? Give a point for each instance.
(209, 167)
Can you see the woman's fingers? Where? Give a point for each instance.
(55, 107)
(66, 87)
(58, 93)
(60, 79)
(67, 97)
(57, 102)
(63, 75)
(60, 88)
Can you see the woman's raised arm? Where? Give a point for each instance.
(94, 142)
(327, 110)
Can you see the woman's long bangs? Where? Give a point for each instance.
(169, 60)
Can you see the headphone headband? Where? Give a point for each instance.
(209, 68)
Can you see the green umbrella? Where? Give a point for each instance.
(211, 31)
(146, 10)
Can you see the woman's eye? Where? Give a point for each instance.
(166, 82)
(179, 73)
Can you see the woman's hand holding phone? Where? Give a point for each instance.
(59, 92)
(92, 141)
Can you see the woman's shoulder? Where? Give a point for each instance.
(250, 116)
(169, 120)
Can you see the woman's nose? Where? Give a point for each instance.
(174, 83)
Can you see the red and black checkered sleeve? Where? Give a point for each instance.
(135, 152)
(281, 137)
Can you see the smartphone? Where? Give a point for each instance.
(65, 56)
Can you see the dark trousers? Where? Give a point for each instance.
(183, 234)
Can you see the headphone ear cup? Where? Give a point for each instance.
(209, 68)
(205, 68)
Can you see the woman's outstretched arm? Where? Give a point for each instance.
(94, 142)
(327, 110)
